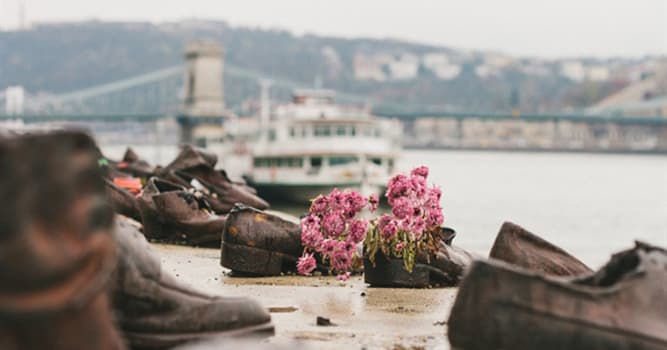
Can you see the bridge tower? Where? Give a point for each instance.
(204, 105)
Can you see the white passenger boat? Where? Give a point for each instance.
(312, 145)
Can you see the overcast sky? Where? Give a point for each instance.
(545, 28)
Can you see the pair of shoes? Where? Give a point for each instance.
(194, 168)
(69, 274)
(265, 244)
(171, 213)
(540, 297)
(186, 203)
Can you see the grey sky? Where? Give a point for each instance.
(553, 28)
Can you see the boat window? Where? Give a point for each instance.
(316, 162)
(342, 160)
(377, 132)
(377, 161)
(295, 162)
(341, 130)
(292, 132)
(353, 131)
(272, 134)
(322, 130)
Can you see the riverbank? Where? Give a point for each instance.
(363, 318)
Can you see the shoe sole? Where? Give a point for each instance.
(142, 340)
(255, 261)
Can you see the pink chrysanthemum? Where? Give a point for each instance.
(306, 264)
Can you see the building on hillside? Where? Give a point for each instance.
(573, 70)
(405, 67)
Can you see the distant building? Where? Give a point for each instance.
(367, 67)
(497, 60)
(405, 68)
(14, 100)
(573, 70)
(334, 63)
(485, 71)
(597, 73)
(439, 64)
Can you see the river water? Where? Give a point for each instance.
(590, 204)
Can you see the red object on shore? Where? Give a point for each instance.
(131, 184)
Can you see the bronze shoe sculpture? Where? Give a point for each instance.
(444, 269)
(169, 213)
(258, 243)
(122, 201)
(518, 246)
(156, 311)
(56, 249)
(133, 165)
(195, 165)
(622, 306)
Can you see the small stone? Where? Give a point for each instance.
(325, 322)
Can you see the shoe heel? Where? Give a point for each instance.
(392, 273)
(260, 262)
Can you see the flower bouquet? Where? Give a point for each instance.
(332, 231)
(412, 229)
(407, 247)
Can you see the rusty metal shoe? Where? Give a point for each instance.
(518, 246)
(56, 250)
(259, 243)
(195, 168)
(620, 307)
(171, 214)
(191, 156)
(155, 311)
(135, 166)
(122, 201)
(444, 269)
(222, 192)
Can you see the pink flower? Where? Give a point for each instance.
(435, 193)
(354, 201)
(350, 247)
(328, 246)
(373, 202)
(335, 200)
(310, 222)
(358, 230)
(319, 205)
(418, 226)
(341, 260)
(387, 226)
(402, 207)
(311, 238)
(333, 224)
(435, 217)
(306, 264)
(398, 186)
(420, 171)
(400, 246)
(343, 276)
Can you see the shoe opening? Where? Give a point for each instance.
(620, 265)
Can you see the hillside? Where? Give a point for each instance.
(61, 57)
